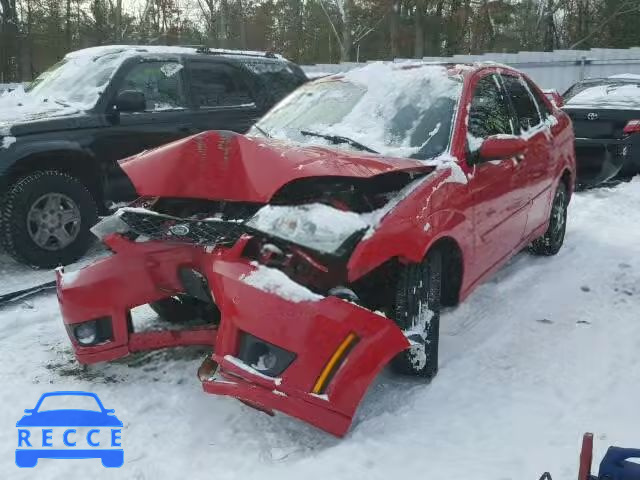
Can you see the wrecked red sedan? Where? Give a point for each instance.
(321, 246)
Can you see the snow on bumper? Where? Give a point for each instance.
(325, 382)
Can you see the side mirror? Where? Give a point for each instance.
(131, 101)
(28, 410)
(498, 147)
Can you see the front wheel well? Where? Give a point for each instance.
(76, 164)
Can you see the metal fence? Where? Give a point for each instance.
(558, 69)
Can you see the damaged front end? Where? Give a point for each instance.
(295, 332)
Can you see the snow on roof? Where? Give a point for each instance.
(617, 96)
(159, 50)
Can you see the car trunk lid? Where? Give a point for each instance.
(600, 123)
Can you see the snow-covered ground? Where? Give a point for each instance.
(547, 350)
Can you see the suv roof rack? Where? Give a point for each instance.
(222, 51)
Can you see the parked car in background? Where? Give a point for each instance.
(61, 139)
(554, 96)
(330, 236)
(606, 119)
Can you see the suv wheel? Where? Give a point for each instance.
(46, 218)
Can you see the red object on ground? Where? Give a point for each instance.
(488, 210)
(586, 457)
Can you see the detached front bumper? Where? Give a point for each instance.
(339, 348)
(309, 356)
(106, 292)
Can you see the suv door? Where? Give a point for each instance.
(500, 212)
(537, 161)
(164, 119)
(221, 97)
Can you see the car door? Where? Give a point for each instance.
(164, 119)
(538, 159)
(221, 96)
(499, 203)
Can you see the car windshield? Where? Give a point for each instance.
(69, 402)
(605, 93)
(393, 110)
(76, 80)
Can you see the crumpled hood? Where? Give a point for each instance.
(228, 166)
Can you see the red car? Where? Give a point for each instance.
(320, 247)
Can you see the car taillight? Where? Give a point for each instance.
(633, 126)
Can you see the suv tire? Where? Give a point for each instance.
(46, 217)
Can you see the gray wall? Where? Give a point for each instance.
(558, 69)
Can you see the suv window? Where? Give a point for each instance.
(217, 85)
(523, 102)
(159, 81)
(489, 113)
(277, 79)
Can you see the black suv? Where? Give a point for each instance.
(60, 140)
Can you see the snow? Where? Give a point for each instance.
(243, 366)
(618, 96)
(383, 106)
(631, 76)
(275, 281)
(315, 225)
(8, 141)
(542, 352)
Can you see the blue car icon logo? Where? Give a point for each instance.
(49, 431)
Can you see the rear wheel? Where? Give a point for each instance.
(46, 218)
(551, 242)
(181, 309)
(417, 313)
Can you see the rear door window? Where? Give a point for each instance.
(523, 102)
(217, 85)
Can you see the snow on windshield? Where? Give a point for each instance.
(395, 110)
(608, 96)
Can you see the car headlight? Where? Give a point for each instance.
(109, 225)
(315, 226)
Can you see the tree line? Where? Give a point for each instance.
(34, 34)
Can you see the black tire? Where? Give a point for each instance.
(15, 228)
(182, 309)
(551, 242)
(417, 313)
